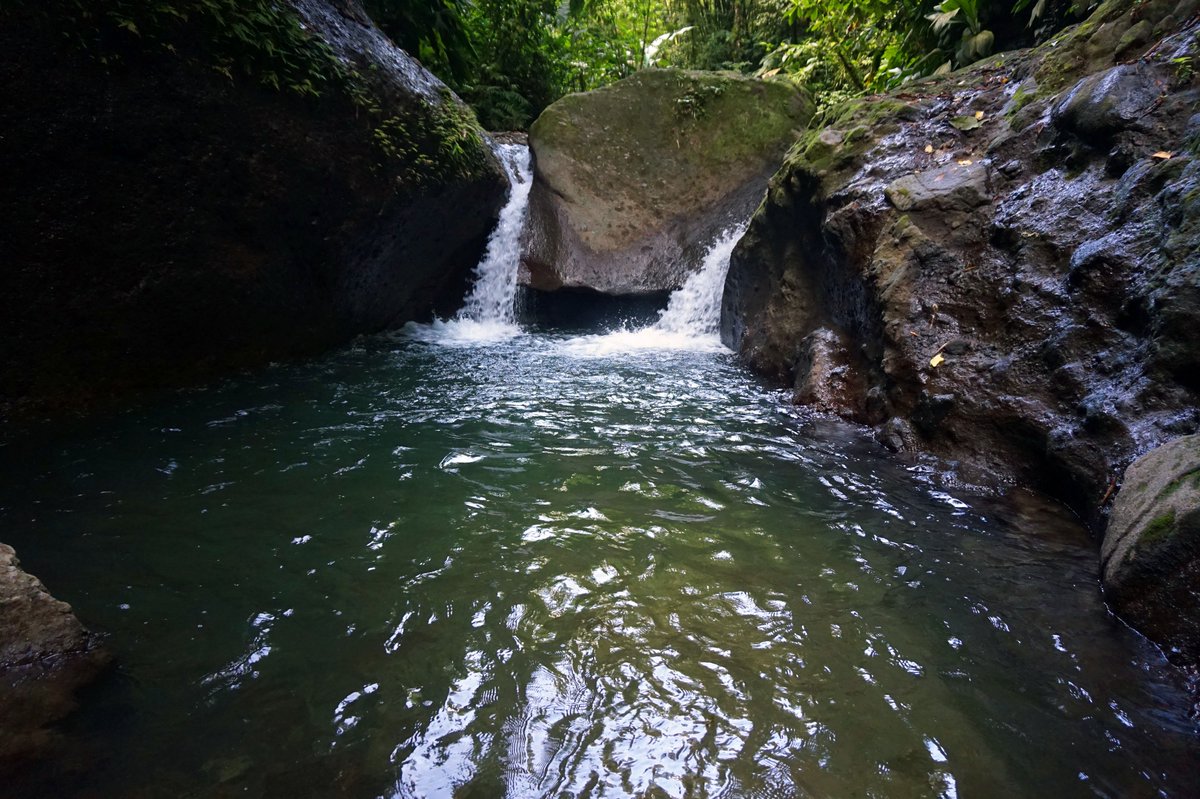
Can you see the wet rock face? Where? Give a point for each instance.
(45, 656)
(164, 223)
(633, 181)
(1151, 552)
(1009, 256)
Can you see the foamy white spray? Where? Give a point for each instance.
(692, 318)
(495, 290)
(489, 313)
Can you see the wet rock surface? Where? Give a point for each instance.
(165, 223)
(46, 655)
(1151, 552)
(633, 181)
(1010, 254)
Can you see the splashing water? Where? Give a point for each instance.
(692, 318)
(489, 311)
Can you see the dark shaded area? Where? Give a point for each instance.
(584, 310)
(163, 224)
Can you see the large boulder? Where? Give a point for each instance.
(183, 198)
(45, 656)
(1008, 256)
(634, 180)
(1151, 552)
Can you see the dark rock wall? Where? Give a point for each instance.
(999, 266)
(161, 223)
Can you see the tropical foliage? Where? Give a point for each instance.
(511, 58)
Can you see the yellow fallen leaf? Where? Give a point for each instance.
(965, 162)
(936, 360)
(928, 148)
(979, 115)
(1162, 155)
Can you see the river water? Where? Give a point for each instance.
(474, 561)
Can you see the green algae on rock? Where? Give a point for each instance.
(1151, 552)
(635, 179)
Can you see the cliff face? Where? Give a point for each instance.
(168, 217)
(1000, 266)
(635, 180)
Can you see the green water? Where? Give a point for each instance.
(544, 567)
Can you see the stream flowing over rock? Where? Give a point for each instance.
(634, 181)
(165, 222)
(1000, 265)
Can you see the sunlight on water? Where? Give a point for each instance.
(512, 570)
(471, 561)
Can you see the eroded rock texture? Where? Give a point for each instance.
(1000, 265)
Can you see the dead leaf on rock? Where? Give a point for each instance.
(936, 360)
(1162, 155)
(979, 115)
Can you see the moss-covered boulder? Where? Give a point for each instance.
(1151, 552)
(218, 184)
(635, 179)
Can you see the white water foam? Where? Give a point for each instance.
(489, 314)
(692, 318)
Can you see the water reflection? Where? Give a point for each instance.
(420, 571)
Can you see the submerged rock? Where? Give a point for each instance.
(1019, 295)
(1151, 552)
(634, 180)
(170, 216)
(45, 656)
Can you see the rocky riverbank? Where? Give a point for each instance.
(179, 204)
(1000, 266)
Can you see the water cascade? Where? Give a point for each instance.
(695, 309)
(489, 310)
(692, 317)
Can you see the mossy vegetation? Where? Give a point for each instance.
(432, 142)
(1159, 528)
(261, 40)
(1183, 480)
(264, 42)
(839, 135)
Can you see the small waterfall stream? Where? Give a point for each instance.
(488, 313)
(689, 322)
(491, 300)
(692, 318)
(695, 309)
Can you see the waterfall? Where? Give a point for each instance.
(488, 313)
(695, 308)
(692, 318)
(494, 294)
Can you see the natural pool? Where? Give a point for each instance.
(545, 566)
